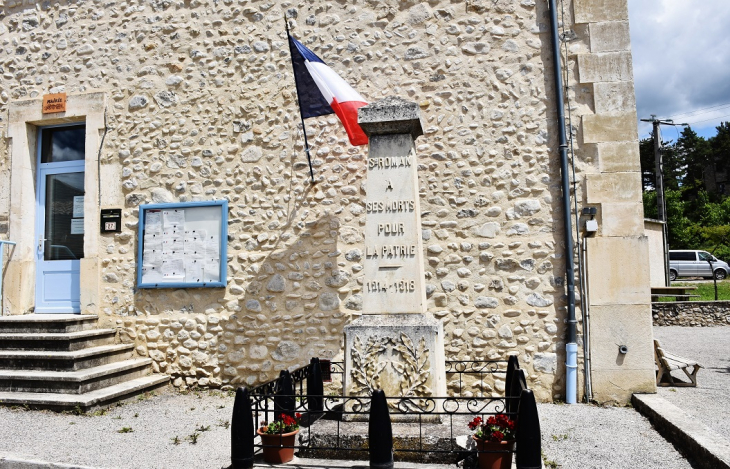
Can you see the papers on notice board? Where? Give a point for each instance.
(176, 252)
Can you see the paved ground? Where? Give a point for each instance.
(172, 430)
(710, 346)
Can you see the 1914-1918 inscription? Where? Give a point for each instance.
(393, 261)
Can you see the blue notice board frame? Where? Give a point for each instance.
(194, 227)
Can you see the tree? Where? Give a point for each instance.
(694, 153)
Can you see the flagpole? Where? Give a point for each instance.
(301, 116)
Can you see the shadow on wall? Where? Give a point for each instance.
(290, 309)
(287, 283)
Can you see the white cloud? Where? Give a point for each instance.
(681, 52)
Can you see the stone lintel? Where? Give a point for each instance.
(391, 115)
(593, 11)
(605, 67)
(614, 97)
(610, 36)
(622, 219)
(622, 265)
(599, 128)
(618, 157)
(613, 188)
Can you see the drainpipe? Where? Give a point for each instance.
(571, 347)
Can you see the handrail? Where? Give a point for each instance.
(2, 250)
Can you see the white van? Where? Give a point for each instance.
(691, 263)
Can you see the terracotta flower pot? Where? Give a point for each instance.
(278, 448)
(494, 460)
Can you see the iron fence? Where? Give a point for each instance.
(427, 428)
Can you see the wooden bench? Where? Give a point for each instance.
(679, 293)
(666, 362)
(656, 296)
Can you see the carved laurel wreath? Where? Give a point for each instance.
(370, 361)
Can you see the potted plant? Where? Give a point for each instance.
(278, 438)
(495, 441)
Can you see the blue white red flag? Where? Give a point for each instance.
(322, 91)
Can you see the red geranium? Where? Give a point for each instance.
(284, 424)
(497, 428)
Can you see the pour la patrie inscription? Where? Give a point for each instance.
(393, 266)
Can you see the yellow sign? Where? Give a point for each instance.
(54, 103)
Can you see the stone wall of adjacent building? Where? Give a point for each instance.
(201, 106)
(691, 313)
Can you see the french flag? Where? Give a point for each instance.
(322, 91)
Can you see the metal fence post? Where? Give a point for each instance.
(284, 402)
(315, 387)
(512, 366)
(529, 451)
(518, 384)
(242, 432)
(380, 432)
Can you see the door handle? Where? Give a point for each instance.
(40, 244)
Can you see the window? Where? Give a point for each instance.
(60, 144)
(682, 256)
(705, 256)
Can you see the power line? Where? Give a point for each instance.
(712, 119)
(701, 110)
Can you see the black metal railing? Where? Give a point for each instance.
(478, 370)
(328, 422)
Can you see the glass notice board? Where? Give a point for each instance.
(182, 245)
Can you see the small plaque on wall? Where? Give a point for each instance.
(54, 103)
(111, 220)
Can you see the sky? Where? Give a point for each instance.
(681, 52)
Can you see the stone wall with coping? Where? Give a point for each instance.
(201, 106)
(691, 313)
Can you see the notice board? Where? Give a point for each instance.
(182, 245)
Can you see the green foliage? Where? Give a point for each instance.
(698, 210)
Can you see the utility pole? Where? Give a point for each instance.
(659, 185)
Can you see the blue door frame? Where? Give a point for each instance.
(58, 284)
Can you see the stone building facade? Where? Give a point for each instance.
(194, 100)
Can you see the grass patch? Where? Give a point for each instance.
(706, 291)
(548, 463)
(125, 430)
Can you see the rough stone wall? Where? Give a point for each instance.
(202, 107)
(691, 313)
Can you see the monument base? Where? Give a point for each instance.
(402, 354)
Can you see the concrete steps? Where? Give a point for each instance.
(59, 361)
(100, 397)
(47, 323)
(58, 341)
(63, 362)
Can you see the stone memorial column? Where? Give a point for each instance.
(395, 346)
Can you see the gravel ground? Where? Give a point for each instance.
(584, 436)
(191, 430)
(710, 346)
(578, 436)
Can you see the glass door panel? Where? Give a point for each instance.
(64, 222)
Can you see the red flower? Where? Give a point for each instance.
(496, 428)
(298, 415)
